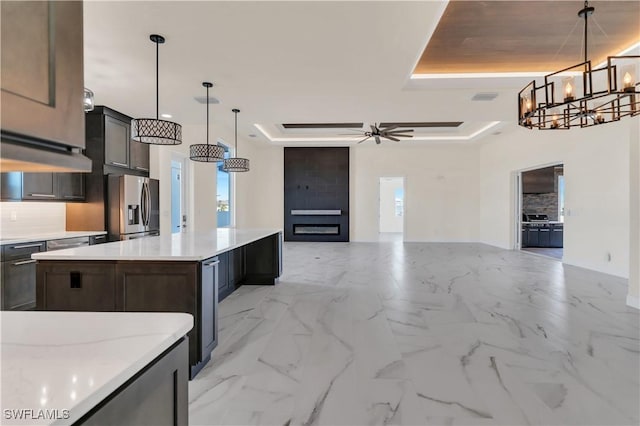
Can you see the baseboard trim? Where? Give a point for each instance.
(633, 301)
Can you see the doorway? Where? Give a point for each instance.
(176, 196)
(541, 194)
(391, 209)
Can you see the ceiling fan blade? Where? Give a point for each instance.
(392, 138)
(403, 136)
(374, 128)
(402, 131)
(386, 129)
(377, 140)
(364, 139)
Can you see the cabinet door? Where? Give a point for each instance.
(544, 238)
(139, 156)
(525, 238)
(42, 70)
(81, 286)
(533, 237)
(208, 306)
(223, 275)
(556, 239)
(19, 284)
(38, 186)
(117, 135)
(70, 186)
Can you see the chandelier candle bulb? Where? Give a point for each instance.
(568, 89)
(628, 83)
(554, 121)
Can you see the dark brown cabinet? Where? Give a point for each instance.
(117, 134)
(208, 306)
(139, 156)
(70, 186)
(109, 144)
(42, 84)
(230, 272)
(67, 187)
(157, 395)
(76, 286)
(38, 186)
(19, 275)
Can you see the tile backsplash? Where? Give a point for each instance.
(25, 219)
(541, 204)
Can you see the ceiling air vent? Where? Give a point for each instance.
(487, 96)
(203, 100)
(322, 125)
(409, 124)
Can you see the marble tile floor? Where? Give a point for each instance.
(423, 334)
(543, 251)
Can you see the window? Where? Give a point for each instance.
(224, 193)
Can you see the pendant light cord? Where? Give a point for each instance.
(236, 130)
(207, 116)
(586, 20)
(157, 80)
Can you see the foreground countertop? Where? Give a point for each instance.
(175, 247)
(50, 236)
(73, 360)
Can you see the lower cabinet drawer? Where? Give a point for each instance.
(76, 287)
(18, 284)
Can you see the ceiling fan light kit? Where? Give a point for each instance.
(236, 164)
(579, 96)
(205, 152)
(153, 130)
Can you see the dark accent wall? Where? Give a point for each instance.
(316, 179)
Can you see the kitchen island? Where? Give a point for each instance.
(182, 272)
(94, 368)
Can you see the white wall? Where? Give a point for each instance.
(200, 181)
(633, 299)
(29, 218)
(259, 193)
(441, 190)
(596, 170)
(389, 221)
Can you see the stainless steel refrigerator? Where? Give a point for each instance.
(134, 207)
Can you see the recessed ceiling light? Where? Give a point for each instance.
(166, 115)
(252, 135)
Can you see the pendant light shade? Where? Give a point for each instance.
(205, 152)
(153, 130)
(236, 164)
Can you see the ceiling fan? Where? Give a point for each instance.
(392, 132)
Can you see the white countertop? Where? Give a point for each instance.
(175, 247)
(73, 360)
(51, 236)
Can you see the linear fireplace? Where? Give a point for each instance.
(316, 229)
(316, 194)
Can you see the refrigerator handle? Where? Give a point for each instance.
(143, 205)
(148, 204)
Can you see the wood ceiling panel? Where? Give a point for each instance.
(517, 36)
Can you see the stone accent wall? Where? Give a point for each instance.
(541, 204)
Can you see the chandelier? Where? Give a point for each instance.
(236, 164)
(205, 152)
(153, 130)
(580, 96)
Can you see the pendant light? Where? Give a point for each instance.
(236, 164)
(205, 152)
(581, 96)
(153, 130)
